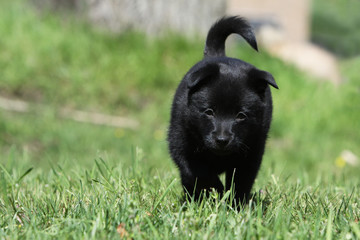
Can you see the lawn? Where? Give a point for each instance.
(63, 179)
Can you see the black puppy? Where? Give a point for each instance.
(220, 117)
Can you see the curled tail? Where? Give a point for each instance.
(215, 41)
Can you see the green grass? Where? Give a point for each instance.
(90, 204)
(67, 180)
(335, 26)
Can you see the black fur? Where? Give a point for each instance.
(221, 116)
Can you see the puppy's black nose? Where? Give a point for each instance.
(222, 140)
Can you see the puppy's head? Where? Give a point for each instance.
(229, 102)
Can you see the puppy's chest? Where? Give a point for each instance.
(217, 164)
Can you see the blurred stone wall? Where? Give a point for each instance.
(155, 16)
(188, 16)
(291, 17)
(150, 16)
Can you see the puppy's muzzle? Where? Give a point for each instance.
(222, 135)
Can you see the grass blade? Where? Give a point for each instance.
(163, 195)
(7, 173)
(329, 226)
(24, 174)
(153, 229)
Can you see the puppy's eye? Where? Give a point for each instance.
(240, 117)
(209, 112)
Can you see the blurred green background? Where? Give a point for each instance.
(60, 61)
(335, 26)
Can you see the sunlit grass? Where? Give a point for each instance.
(108, 201)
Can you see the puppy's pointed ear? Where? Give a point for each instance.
(202, 73)
(259, 79)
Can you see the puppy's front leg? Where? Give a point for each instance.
(241, 182)
(194, 184)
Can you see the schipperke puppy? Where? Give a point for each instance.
(220, 117)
